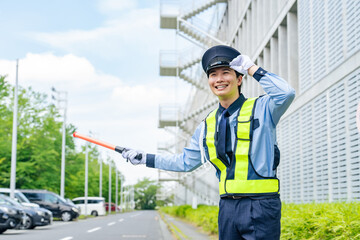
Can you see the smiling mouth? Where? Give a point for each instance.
(220, 87)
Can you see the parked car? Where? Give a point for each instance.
(53, 202)
(10, 216)
(113, 207)
(68, 200)
(95, 205)
(3, 219)
(19, 197)
(34, 216)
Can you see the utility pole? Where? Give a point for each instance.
(14, 136)
(64, 100)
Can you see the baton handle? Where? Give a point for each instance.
(104, 144)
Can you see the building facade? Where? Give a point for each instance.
(315, 46)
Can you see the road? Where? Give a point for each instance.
(133, 225)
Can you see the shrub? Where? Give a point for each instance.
(338, 220)
(204, 216)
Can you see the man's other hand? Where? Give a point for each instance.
(130, 154)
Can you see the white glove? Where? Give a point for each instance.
(241, 64)
(131, 154)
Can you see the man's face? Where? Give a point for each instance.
(224, 83)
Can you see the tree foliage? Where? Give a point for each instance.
(39, 142)
(145, 194)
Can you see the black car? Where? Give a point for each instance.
(53, 202)
(34, 216)
(10, 217)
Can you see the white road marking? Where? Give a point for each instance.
(112, 223)
(135, 215)
(121, 219)
(94, 229)
(134, 236)
(67, 238)
(61, 223)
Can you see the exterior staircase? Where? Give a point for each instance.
(186, 25)
(201, 8)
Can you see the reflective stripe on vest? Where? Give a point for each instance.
(240, 185)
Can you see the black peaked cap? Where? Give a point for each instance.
(218, 56)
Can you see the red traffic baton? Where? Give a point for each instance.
(102, 143)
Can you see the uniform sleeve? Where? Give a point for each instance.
(279, 93)
(188, 160)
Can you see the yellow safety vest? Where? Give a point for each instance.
(240, 184)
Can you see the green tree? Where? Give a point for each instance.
(39, 147)
(145, 194)
(5, 128)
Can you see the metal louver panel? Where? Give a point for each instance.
(320, 146)
(305, 33)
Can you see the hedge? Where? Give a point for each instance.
(313, 221)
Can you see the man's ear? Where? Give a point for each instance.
(239, 78)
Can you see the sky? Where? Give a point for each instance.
(105, 55)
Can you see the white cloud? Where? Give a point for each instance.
(136, 30)
(46, 68)
(107, 6)
(139, 94)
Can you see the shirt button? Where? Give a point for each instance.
(261, 72)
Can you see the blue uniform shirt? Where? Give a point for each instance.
(268, 110)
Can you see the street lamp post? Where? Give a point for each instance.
(132, 198)
(86, 177)
(126, 196)
(121, 193)
(109, 188)
(116, 189)
(100, 178)
(64, 100)
(14, 137)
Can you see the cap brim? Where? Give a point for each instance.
(218, 64)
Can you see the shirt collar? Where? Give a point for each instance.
(234, 106)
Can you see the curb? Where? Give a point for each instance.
(175, 231)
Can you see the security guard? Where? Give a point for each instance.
(239, 139)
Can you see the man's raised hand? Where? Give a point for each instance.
(241, 64)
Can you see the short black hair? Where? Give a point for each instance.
(237, 76)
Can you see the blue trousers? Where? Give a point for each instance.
(249, 219)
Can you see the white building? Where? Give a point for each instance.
(314, 45)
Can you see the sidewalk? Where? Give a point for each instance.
(183, 230)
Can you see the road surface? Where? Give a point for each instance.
(132, 225)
